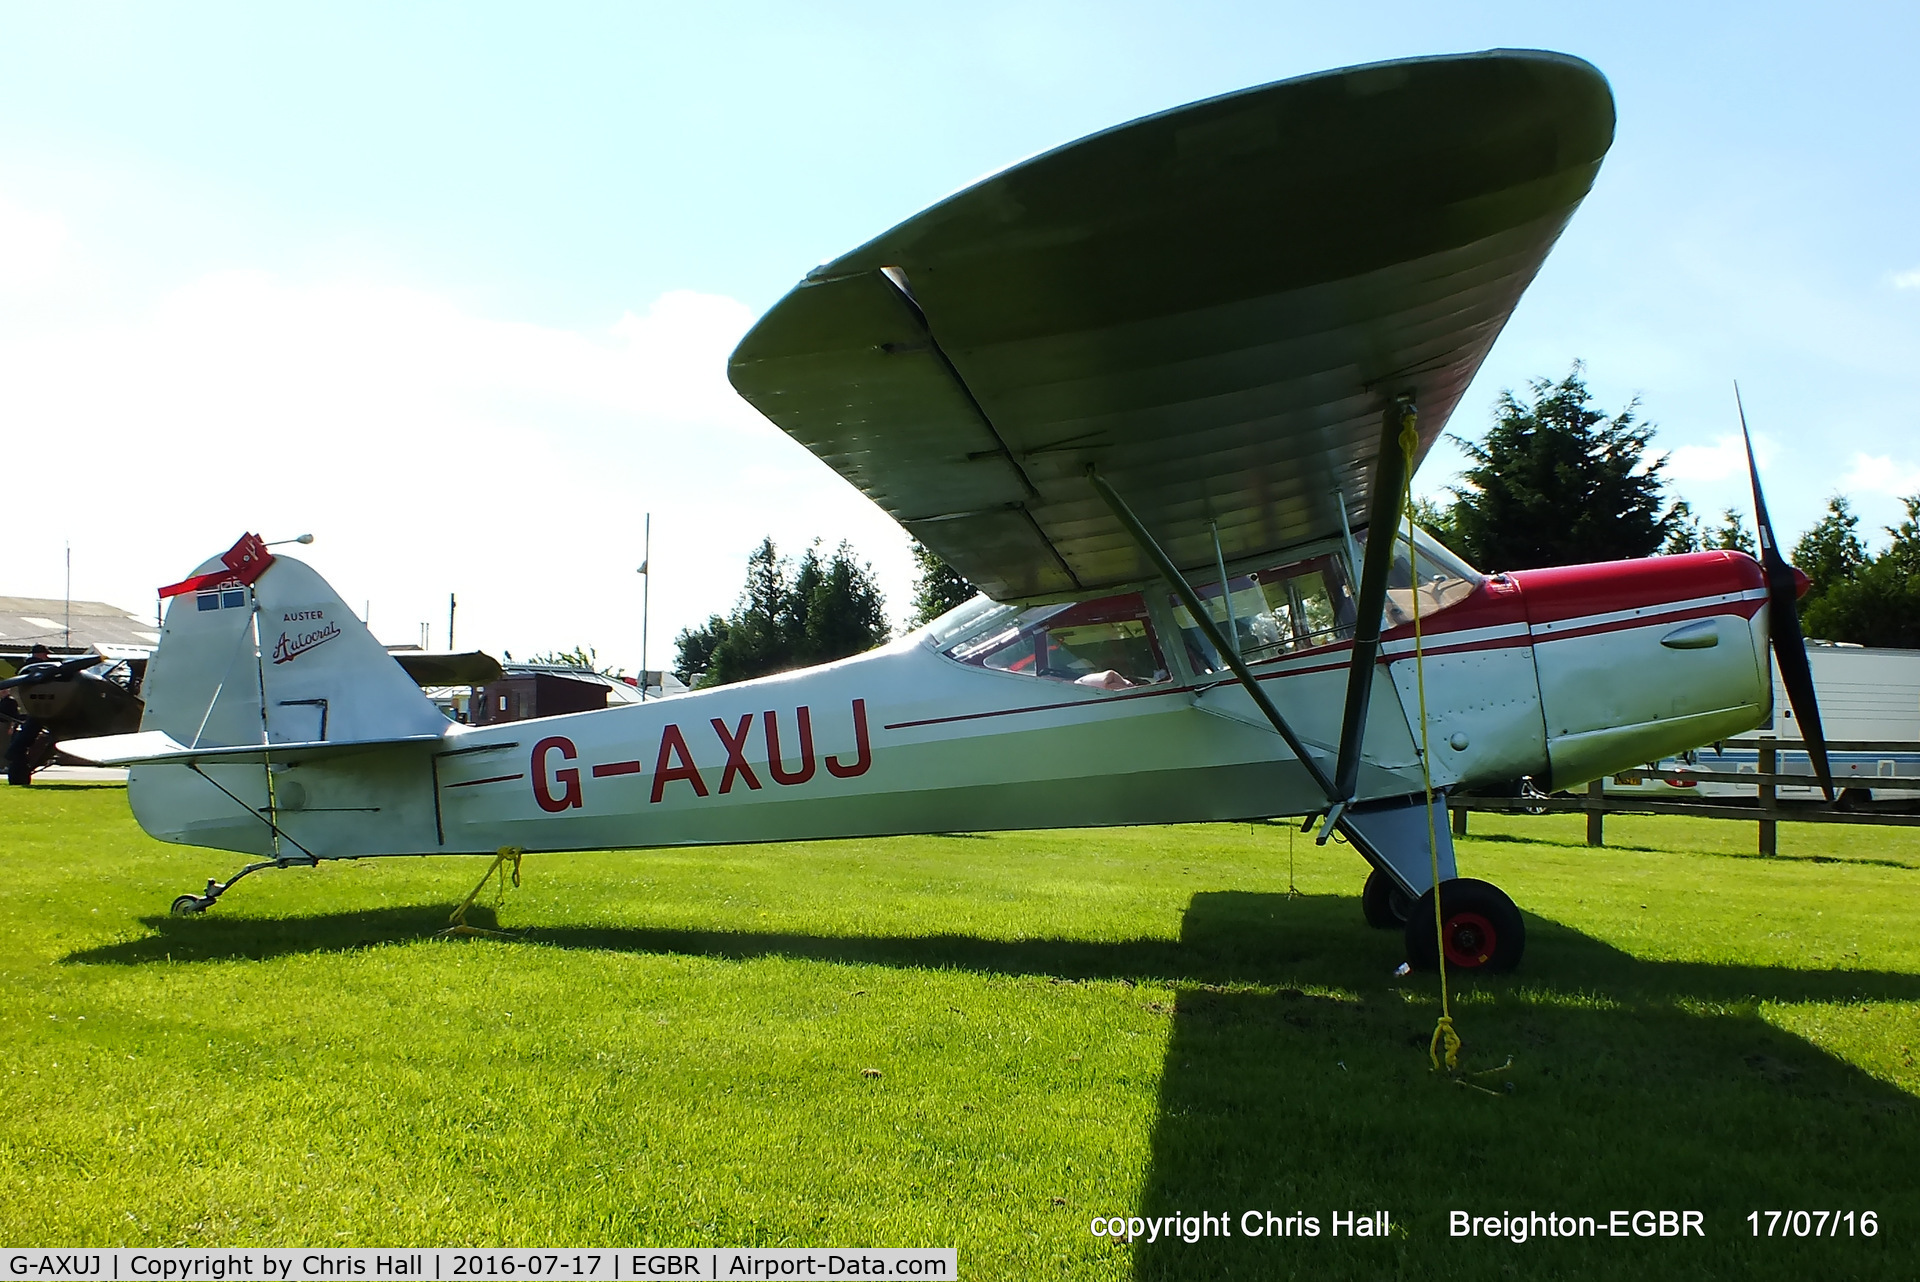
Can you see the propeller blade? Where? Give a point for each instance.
(1783, 622)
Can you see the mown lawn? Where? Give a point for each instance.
(1065, 1025)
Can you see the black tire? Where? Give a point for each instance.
(1384, 904)
(1484, 931)
(189, 906)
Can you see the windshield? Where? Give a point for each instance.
(965, 619)
(1445, 579)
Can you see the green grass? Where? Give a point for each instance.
(1065, 1025)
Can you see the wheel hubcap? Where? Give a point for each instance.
(1470, 940)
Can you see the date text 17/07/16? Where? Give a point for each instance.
(1815, 1223)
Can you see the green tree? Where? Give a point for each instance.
(1880, 605)
(1831, 552)
(580, 656)
(694, 647)
(1436, 520)
(1733, 534)
(1684, 534)
(937, 587)
(793, 615)
(760, 630)
(1557, 482)
(845, 613)
(1905, 549)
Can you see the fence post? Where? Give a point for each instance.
(1768, 802)
(1596, 798)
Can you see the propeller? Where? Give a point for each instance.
(1783, 622)
(65, 671)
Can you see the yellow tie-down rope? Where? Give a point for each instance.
(1443, 1034)
(503, 858)
(1445, 1046)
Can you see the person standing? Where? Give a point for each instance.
(26, 731)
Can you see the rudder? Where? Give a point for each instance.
(277, 659)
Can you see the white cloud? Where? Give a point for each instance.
(431, 450)
(1881, 474)
(32, 246)
(1907, 280)
(1723, 460)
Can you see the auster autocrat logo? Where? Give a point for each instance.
(557, 787)
(292, 645)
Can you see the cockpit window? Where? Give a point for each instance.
(1106, 644)
(1445, 579)
(1270, 613)
(1310, 603)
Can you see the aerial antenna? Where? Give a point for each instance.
(69, 644)
(646, 590)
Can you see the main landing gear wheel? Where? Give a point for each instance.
(1384, 904)
(1480, 927)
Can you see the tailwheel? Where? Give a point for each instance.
(1480, 928)
(1384, 904)
(191, 906)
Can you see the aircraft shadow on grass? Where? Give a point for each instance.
(1634, 1083)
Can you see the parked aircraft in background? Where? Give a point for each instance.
(1159, 392)
(49, 699)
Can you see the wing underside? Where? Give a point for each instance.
(1213, 306)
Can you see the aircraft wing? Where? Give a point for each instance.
(1213, 306)
(449, 668)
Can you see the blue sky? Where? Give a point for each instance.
(452, 286)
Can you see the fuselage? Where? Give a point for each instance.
(1561, 675)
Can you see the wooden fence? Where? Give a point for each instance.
(1766, 810)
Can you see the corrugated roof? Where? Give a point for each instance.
(27, 620)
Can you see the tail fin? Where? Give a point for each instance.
(280, 659)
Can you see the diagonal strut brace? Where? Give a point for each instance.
(1389, 488)
(1204, 619)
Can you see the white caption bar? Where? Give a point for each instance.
(374, 1264)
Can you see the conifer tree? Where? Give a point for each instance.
(790, 615)
(1880, 604)
(937, 588)
(1558, 482)
(1830, 553)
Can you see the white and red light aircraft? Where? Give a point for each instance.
(1150, 392)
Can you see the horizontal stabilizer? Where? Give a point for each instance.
(157, 747)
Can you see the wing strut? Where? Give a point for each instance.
(1383, 514)
(1204, 619)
